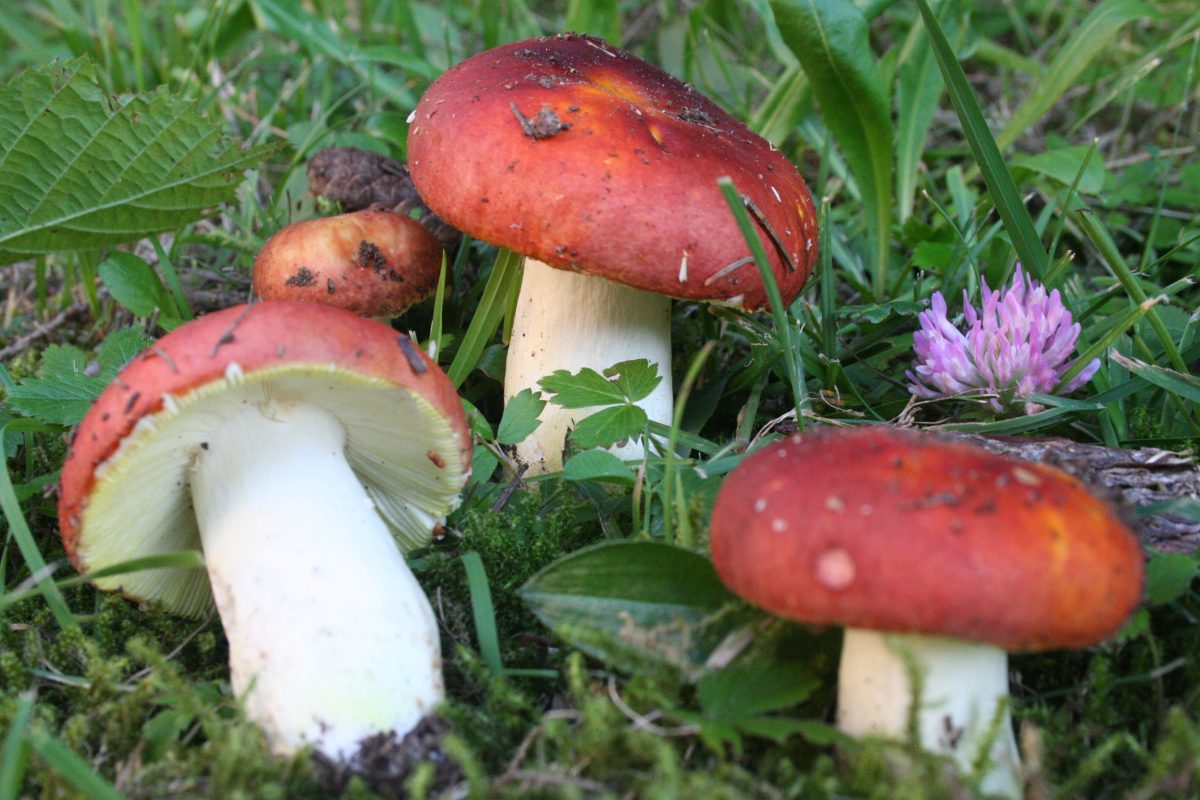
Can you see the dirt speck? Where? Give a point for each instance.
(303, 277)
(543, 125)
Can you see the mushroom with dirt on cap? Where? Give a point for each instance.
(294, 444)
(602, 170)
(374, 262)
(936, 557)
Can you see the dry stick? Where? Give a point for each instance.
(46, 328)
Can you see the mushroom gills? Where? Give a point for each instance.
(390, 432)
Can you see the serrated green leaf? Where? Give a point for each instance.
(68, 382)
(635, 604)
(582, 389)
(134, 284)
(598, 465)
(1169, 576)
(608, 426)
(636, 379)
(830, 39)
(520, 417)
(118, 349)
(79, 169)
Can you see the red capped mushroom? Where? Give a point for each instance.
(294, 444)
(602, 170)
(934, 556)
(375, 263)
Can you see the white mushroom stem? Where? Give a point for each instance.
(568, 320)
(330, 637)
(964, 685)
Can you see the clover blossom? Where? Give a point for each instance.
(1018, 344)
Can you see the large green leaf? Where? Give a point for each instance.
(830, 39)
(634, 604)
(79, 169)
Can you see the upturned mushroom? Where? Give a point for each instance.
(601, 169)
(937, 558)
(294, 444)
(374, 262)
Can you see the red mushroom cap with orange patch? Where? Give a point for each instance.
(375, 263)
(587, 158)
(901, 532)
(402, 418)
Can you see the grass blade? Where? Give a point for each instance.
(1178, 383)
(70, 766)
(783, 327)
(13, 755)
(504, 280)
(19, 529)
(483, 612)
(1000, 184)
(917, 93)
(1090, 39)
(830, 39)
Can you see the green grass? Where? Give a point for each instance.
(1059, 135)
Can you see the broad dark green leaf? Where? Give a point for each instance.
(635, 604)
(598, 465)
(830, 39)
(608, 426)
(134, 284)
(744, 690)
(80, 169)
(520, 417)
(1168, 576)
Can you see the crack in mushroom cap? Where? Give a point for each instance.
(587, 158)
(902, 532)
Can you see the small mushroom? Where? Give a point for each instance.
(602, 170)
(937, 558)
(294, 444)
(374, 262)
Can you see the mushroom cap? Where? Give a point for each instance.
(124, 486)
(896, 531)
(374, 262)
(587, 158)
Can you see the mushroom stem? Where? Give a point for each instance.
(331, 638)
(568, 320)
(963, 685)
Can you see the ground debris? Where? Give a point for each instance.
(384, 762)
(1134, 477)
(361, 179)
